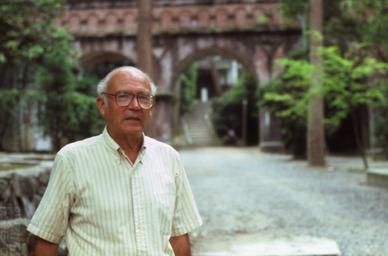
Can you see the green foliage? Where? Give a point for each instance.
(361, 21)
(188, 88)
(8, 102)
(37, 66)
(228, 108)
(67, 114)
(23, 42)
(362, 27)
(348, 83)
(293, 8)
(347, 22)
(82, 118)
(295, 83)
(287, 97)
(24, 37)
(262, 20)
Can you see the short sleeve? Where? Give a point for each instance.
(186, 215)
(50, 219)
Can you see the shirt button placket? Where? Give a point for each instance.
(138, 214)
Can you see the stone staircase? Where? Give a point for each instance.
(197, 127)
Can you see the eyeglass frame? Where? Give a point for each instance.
(132, 96)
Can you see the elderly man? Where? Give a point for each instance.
(119, 193)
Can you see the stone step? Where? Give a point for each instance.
(254, 246)
(197, 127)
(378, 176)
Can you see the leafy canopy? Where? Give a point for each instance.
(37, 70)
(348, 83)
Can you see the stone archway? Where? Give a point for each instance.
(183, 33)
(199, 54)
(213, 50)
(256, 52)
(100, 63)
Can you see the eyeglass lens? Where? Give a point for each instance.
(124, 99)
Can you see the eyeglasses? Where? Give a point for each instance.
(123, 99)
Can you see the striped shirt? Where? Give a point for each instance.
(105, 205)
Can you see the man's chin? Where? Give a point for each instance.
(138, 130)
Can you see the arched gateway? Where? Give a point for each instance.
(250, 32)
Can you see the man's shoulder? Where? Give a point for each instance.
(81, 146)
(154, 144)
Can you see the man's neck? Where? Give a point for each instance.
(130, 144)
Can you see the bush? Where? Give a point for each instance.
(350, 83)
(227, 112)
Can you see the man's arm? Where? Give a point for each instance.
(181, 245)
(41, 247)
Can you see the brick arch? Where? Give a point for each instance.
(91, 60)
(196, 55)
(228, 29)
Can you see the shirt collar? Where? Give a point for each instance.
(111, 143)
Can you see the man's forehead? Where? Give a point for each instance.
(128, 78)
(133, 74)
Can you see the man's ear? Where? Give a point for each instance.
(101, 105)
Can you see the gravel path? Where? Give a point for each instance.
(243, 191)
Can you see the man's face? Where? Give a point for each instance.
(130, 119)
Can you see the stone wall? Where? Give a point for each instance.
(14, 237)
(20, 194)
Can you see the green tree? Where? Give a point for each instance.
(315, 126)
(67, 113)
(188, 81)
(359, 27)
(37, 67)
(23, 43)
(349, 82)
(227, 112)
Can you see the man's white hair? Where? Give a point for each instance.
(103, 84)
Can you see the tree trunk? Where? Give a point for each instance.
(144, 36)
(360, 140)
(315, 122)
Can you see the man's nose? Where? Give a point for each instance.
(134, 103)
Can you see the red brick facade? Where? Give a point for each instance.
(252, 33)
(176, 19)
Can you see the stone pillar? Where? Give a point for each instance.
(269, 125)
(270, 138)
(160, 126)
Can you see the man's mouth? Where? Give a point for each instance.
(132, 118)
